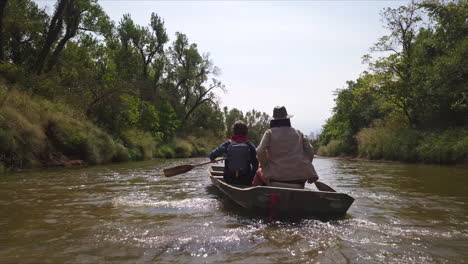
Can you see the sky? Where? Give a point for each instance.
(271, 53)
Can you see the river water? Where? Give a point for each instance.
(131, 213)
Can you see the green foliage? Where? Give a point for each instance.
(206, 119)
(165, 151)
(356, 107)
(191, 146)
(22, 138)
(11, 72)
(168, 120)
(419, 85)
(407, 144)
(141, 144)
(183, 148)
(187, 80)
(121, 153)
(24, 24)
(333, 148)
(31, 129)
(230, 118)
(450, 146)
(257, 122)
(102, 91)
(380, 142)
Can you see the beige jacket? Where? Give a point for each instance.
(285, 154)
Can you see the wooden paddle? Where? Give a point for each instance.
(323, 187)
(169, 172)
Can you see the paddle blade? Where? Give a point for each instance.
(169, 172)
(323, 187)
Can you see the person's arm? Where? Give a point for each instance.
(308, 149)
(309, 154)
(265, 142)
(219, 150)
(262, 149)
(253, 157)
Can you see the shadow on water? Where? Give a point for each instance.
(230, 207)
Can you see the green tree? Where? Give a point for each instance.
(230, 118)
(356, 106)
(258, 122)
(23, 25)
(189, 73)
(395, 70)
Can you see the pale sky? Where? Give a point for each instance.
(291, 53)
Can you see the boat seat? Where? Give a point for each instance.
(286, 185)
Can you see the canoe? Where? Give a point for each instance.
(282, 201)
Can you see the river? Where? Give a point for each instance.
(131, 213)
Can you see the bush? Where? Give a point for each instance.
(333, 148)
(165, 151)
(121, 153)
(388, 143)
(200, 146)
(11, 72)
(141, 144)
(99, 147)
(31, 129)
(183, 148)
(450, 146)
(22, 139)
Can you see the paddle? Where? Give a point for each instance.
(169, 172)
(323, 187)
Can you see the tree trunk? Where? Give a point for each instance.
(56, 25)
(72, 20)
(2, 8)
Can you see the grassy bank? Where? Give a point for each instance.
(406, 144)
(36, 132)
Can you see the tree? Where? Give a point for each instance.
(53, 33)
(257, 122)
(356, 107)
(68, 14)
(2, 36)
(24, 24)
(149, 43)
(230, 117)
(395, 70)
(189, 73)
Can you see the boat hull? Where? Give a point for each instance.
(283, 201)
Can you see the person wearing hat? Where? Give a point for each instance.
(285, 154)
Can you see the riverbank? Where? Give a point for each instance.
(448, 146)
(463, 165)
(35, 132)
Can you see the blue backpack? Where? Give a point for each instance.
(238, 161)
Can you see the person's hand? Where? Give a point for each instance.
(313, 179)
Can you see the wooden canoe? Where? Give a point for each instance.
(288, 201)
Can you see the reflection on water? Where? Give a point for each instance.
(131, 213)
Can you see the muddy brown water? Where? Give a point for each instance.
(131, 213)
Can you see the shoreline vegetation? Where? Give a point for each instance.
(79, 89)
(411, 104)
(35, 132)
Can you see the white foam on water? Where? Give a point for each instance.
(145, 201)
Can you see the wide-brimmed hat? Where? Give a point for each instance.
(280, 112)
